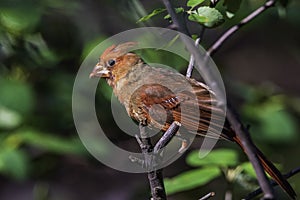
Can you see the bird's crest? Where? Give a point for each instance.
(115, 51)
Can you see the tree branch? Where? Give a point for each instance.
(155, 177)
(241, 132)
(273, 183)
(192, 60)
(235, 28)
(250, 150)
(179, 23)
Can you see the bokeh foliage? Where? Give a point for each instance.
(36, 84)
(42, 44)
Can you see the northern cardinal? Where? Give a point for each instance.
(143, 91)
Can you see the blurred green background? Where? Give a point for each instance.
(42, 44)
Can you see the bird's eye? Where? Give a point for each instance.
(111, 63)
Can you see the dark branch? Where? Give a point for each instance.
(155, 177)
(179, 23)
(273, 183)
(250, 150)
(233, 29)
(241, 132)
(157, 186)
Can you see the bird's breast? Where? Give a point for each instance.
(126, 86)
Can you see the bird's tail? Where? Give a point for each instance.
(272, 171)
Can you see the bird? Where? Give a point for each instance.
(147, 95)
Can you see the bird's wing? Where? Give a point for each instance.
(212, 122)
(152, 104)
(156, 105)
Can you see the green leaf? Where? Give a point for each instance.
(19, 17)
(177, 10)
(152, 14)
(219, 157)
(16, 95)
(171, 43)
(247, 168)
(53, 143)
(195, 36)
(46, 142)
(278, 126)
(39, 51)
(14, 163)
(229, 14)
(9, 119)
(191, 179)
(209, 17)
(274, 122)
(194, 16)
(194, 3)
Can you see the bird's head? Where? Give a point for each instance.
(115, 62)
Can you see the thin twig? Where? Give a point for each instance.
(273, 183)
(211, 194)
(292, 172)
(243, 22)
(166, 138)
(192, 60)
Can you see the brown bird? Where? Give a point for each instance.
(158, 96)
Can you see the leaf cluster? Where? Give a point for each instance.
(201, 12)
(217, 163)
(35, 86)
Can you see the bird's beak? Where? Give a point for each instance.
(100, 71)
